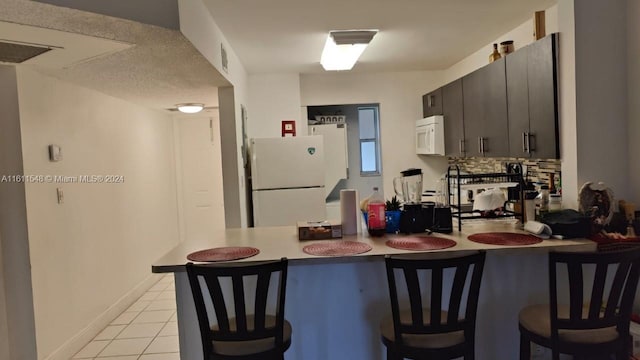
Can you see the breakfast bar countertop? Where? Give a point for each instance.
(278, 242)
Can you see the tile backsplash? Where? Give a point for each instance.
(537, 170)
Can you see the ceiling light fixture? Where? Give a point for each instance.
(344, 47)
(190, 108)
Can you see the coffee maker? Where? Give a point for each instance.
(413, 218)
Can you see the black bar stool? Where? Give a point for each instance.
(434, 332)
(594, 330)
(262, 334)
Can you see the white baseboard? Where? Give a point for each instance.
(82, 338)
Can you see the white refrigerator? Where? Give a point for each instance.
(287, 179)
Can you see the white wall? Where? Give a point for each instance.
(567, 108)
(17, 331)
(400, 98)
(601, 94)
(274, 97)
(4, 324)
(89, 252)
(198, 26)
(522, 36)
(633, 96)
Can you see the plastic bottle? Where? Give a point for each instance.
(377, 222)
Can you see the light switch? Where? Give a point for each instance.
(55, 153)
(60, 193)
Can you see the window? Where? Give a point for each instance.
(369, 141)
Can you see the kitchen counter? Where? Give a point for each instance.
(335, 304)
(282, 241)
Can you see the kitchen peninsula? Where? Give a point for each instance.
(335, 304)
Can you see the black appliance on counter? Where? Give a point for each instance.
(419, 218)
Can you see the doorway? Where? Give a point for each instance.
(363, 146)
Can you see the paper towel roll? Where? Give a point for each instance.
(349, 211)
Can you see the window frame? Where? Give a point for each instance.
(375, 140)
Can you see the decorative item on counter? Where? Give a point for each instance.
(596, 201)
(506, 48)
(348, 211)
(319, 230)
(392, 215)
(495, 55)
(376, 220)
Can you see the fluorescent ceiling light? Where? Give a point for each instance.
(343, 48)
(190, 108)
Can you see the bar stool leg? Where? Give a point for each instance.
(525, 348)
(392, 356)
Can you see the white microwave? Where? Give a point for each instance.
(430, 135)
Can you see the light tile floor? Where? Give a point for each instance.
(147, 330)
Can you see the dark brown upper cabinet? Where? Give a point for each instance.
(533, 101)
(432, 103)
(452, 111)
(485, 111)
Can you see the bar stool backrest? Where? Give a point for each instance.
(607, 306)
(236, 324)
(467, 275)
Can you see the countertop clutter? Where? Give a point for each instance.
(282, 241)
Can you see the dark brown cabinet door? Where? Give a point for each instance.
(518, 102)
(452, 110)
(532, 100)
(432, 103)
(485, 111)
(543, 99)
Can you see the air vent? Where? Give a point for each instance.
(17, 53)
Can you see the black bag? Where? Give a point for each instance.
(568, 223)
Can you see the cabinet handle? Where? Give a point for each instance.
(524, 142)
(480, 145)
(430, 101)
(529, 136)
(461, 143)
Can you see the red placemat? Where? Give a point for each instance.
(223, 253)
(420, 243)
(504, 238)
(336, 248)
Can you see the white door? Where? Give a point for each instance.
(199, 169)
(288, 206)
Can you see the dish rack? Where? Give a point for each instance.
(459, 182)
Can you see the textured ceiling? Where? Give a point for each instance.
(288, 35)
(161, 69)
